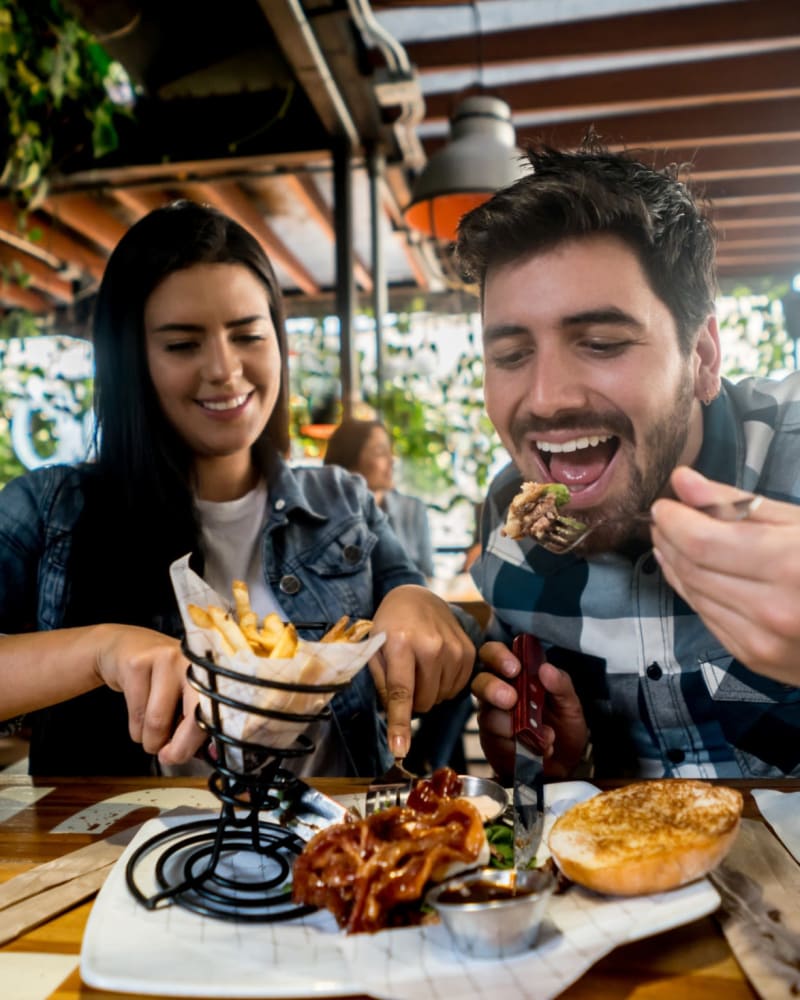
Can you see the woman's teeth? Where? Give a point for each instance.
(224, 404)
(575, 445)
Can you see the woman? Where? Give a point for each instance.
(364, 446)
(191, 404)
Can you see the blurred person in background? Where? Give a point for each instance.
(364, 446)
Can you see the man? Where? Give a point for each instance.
(672, 648)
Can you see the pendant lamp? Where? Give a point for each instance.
(480, 158)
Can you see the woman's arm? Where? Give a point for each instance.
(44, 668)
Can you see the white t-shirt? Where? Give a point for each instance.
(231, 532)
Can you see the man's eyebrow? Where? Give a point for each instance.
(198, 327)
(610, 315)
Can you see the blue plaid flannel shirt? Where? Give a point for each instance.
(661, 695)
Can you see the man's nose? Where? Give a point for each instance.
(554, 385)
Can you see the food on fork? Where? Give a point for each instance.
(649, 836)
(373, 873)
(535, 509)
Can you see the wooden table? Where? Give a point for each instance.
(692, 962)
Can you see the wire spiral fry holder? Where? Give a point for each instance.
(235, 866)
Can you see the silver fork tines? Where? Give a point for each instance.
(563, 536)
(385, 796)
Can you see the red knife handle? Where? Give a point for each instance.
(528, 710)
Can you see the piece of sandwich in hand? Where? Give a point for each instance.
(646, 837)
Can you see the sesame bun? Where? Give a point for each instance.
(646, 837)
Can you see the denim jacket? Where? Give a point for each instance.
(328, 551)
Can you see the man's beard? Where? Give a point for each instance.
(663, 446)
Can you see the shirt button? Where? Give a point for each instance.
(654, 672)
(649, 565)
(351, 553)
(675, 755)
(280, 504)
(289, 584)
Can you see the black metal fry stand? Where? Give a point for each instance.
(236, 865)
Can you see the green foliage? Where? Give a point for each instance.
(436, 413)
(54, 408)
(753, 331)
(56, 83)
(57, 89)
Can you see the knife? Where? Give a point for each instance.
(528, 798)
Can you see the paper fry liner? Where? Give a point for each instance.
(320, 663)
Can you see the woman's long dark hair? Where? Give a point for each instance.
(136, 443)
(139, 512)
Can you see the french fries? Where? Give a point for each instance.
(273, 638)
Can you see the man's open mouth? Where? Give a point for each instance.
(580, 461)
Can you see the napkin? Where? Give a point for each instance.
(320, 663)
(782, 811)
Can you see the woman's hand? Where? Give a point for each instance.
(564, 734)
(742, 578)
(150, 670)
(427, 658)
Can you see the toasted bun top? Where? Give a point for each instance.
(626, 839)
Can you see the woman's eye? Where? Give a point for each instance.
(248, 338)
(181, 345)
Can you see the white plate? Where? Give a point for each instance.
(174, 952)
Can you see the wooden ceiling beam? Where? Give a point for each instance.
(138, 202)
(305, 190)
(41, 277)
(771, 188)
(87, 216)
(727, 124)
(709, 25)
(701, 83)
(14, 296)
(54, 243)
(744, 216)
(229, 198)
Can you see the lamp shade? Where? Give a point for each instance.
(480, 158)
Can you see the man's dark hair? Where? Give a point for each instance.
(568, 195)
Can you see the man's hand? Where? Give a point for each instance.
(427, 658)
(742, 578)
(564, 735)
(150, 670)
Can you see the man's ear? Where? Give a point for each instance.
(707, 361)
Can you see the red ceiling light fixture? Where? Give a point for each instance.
(480, 158)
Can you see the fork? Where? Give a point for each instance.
(391, 789)
(564, 534)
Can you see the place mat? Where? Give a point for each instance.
(172, 951)
(759, 883)
(33, 975)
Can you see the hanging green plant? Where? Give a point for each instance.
(56, 87)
